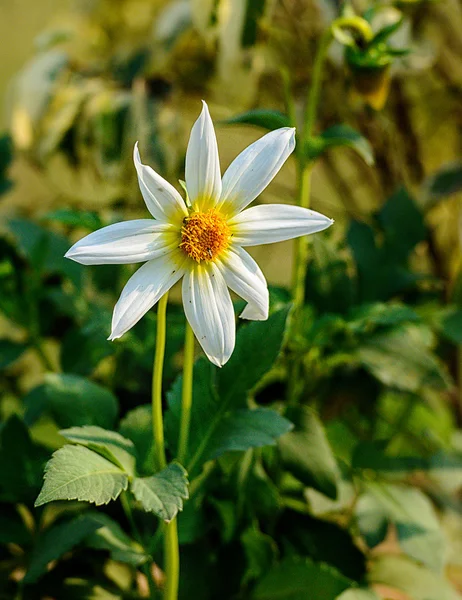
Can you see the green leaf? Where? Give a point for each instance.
(403, 574)
(137, 426)
(6, 157)
(56, 541)
(77, 473)
(72, 401)
(400, 358)
(403, 224)
(260, 552)
(367, 317)
(44, 249)
(109, 444)
(75, 218)
(21, 463)
(10, 352)
(358, 594)
(110, 536)
(164, 492)
(251, 359)
(442, 184)
(268, 119)
(451, 326)
(244, 429)
(300, 579)
(340, 135)
(372, 519)
(306, 453)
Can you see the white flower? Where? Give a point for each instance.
(202, 244)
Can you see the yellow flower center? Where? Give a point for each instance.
(204, 235)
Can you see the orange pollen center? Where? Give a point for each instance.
(204, 235)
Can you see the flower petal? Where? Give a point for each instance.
(162, 200)
(123, 243)
(249, 174)
(270, 223)
(244, 276)
(210, 312)
(203, 177)
(144, 289)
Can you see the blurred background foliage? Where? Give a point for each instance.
(362, 498)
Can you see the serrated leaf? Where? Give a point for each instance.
(72, 401)
(300, 579)
(243, 429)
(77, 473)
(164, 492)
(403, 574)
(56, 541)
(109, 444)
(306, 453)
(340, 135)
(268, 119)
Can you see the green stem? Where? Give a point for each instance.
(186, 398)
(172, 560)
(301, 243)
(157, 415)
(171, 549)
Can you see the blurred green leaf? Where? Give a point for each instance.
(162, 493)
(340, 135)
(268, 119)
(358, 594)
(367, 317)
(306, 452)
(401, 359)
(56, 541)
(44, 249)
(21, 463)
(109, 444)
(443, 183)
(300, 579)
(10, 352)
(451, 326)
(72, 401)
(13, 529)
(403, 574)
(137, 426)
(6, 157)
(243, 429)
(372, 519)
(385, 32)
(260, 551)
(255, 11)
(76, 218)
(77, 473)
(110, 536)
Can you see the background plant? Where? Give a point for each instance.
(373, 463)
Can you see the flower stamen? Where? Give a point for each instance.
(204, 235)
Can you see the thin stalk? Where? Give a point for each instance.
(301, 243)
(157, 415)
(171, 549)
(186, 397)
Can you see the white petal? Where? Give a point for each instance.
(124, 243)
(210, 312)
(163, 201)
(144, 289)
(203, 177)
(249, 174)
(270, 223)
(244, 276)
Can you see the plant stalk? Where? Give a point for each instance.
(187, 392)
(171, 549)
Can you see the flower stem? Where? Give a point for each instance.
(301, 243)
(186, 398)
(157, 416)
(171, 549)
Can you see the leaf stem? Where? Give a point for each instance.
(171, 549)
(187, 391)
